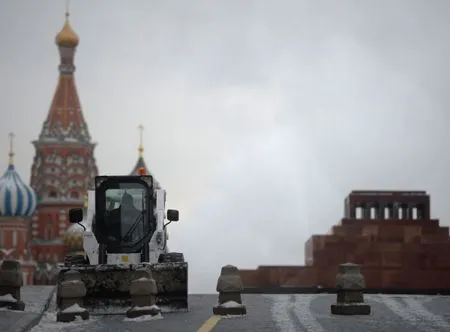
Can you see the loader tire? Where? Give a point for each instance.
(171, 257)
(70, 260)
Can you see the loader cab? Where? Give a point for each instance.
(124, 221)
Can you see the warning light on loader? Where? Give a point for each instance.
(142, 171)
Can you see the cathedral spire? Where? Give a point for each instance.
(140, 164)
(141, 141)
(11, 149)
(67, 38)
(65, 120)
(67, 41)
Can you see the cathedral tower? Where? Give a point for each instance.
(64, 165)
(140, 164)
(17, 205)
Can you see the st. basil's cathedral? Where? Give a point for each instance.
(33, 217)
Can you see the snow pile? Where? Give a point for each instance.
(145, 318)
(49, 324)
(231, 304)
(74, 309)
(5, 300)
(142, 279)
(8, 298)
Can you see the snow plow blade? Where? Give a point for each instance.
(108, 286)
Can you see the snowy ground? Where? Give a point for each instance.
(265, 313)
(305, 312)
(35, 299)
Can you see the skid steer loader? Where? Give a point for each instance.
(124, 230)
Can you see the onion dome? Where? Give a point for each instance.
(67, 37)
(73, 238)
(17, 199)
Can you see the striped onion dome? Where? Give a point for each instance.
(17, 199)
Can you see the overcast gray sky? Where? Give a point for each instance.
(260, 116)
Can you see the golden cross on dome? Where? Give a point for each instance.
(141, 141)
(11, 148)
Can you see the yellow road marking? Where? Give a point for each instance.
(209, 324)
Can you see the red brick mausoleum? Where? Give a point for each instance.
(390, 233)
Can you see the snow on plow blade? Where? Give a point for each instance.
(108, 286)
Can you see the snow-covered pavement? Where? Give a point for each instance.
(266, 313)
(36, 300)
(389, 313)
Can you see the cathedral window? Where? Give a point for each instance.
(49, 231)
(51, 157)
(52, 194)
(74, 194)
